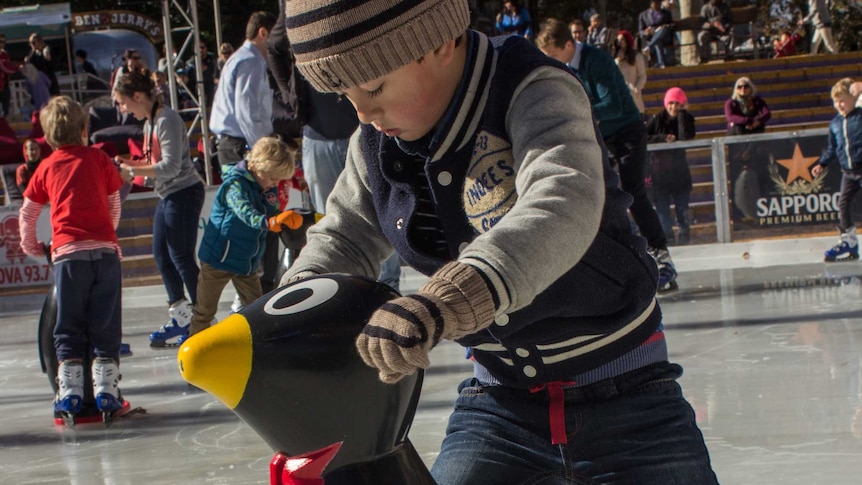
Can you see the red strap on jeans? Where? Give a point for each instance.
(556, 410)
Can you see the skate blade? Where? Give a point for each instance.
(68, 419)
(164, 345)
(108, 417)
(668, 288)
(848, 259)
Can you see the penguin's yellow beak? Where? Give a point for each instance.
(218, 360)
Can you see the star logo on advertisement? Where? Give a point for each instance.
(798, 179)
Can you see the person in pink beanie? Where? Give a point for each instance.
(671, 177)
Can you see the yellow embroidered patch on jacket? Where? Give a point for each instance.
(489, 187)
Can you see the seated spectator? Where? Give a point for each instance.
(717, 27)
(655, 29)
(160, 79)
(598, 33)
(515, 19)
(133, 63)
(747, 113)
(32, 157)
(633, 66)
(83, 66)
(670, 174)
(163, 61)
(224, 52)
(208, 70)
(785, 44)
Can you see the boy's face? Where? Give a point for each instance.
(266, 180)
(844, 103)
(33, 151)
(562, 54)
(407, 103)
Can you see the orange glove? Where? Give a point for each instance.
(287, 218)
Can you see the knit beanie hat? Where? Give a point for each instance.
(675, 94)
(341, 44)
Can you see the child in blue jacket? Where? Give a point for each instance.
(244, 209)
(845, 144)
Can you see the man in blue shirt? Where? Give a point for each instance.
(242, 109)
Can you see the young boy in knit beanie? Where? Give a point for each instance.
(479, 162)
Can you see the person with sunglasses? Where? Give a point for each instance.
(133, 63)
(746, 113)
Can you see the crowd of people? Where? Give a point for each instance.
(530, 132)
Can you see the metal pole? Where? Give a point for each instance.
(217, 15)
(169, 54)
(72, 74)
(719, 180)
(202, 97)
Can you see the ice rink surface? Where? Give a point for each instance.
(772, 368)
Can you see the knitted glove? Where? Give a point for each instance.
(287, 218)
(454, 303)
(287, 278)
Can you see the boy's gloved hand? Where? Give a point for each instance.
(455, 302)
(287, 218)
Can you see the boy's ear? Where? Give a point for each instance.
(446, 52)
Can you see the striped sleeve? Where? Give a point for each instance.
(27, 218)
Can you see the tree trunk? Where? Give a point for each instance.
(688, 51)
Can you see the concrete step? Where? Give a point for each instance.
(755, 69)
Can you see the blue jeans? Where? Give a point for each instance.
(323, 161)
(175, 230)
(631, 429)
(662, 207)
(89, 310)
(661, 46)
(390, 272)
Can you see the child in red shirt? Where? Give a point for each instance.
(82, 185)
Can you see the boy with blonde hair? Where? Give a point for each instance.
(479, 162)
(844, 143)
(244, 209)
(82, 185)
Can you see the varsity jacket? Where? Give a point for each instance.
(523, 190)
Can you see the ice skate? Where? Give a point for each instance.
(181, 316)
(666, 271)
(236, 306)
(70, 394)
(106, 379)
(847, 248)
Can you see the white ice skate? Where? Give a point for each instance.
(70, 395)
(181, 315)
(106, 380)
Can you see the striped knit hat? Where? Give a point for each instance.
(340, 44)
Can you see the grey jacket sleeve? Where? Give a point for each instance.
(560, 187)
